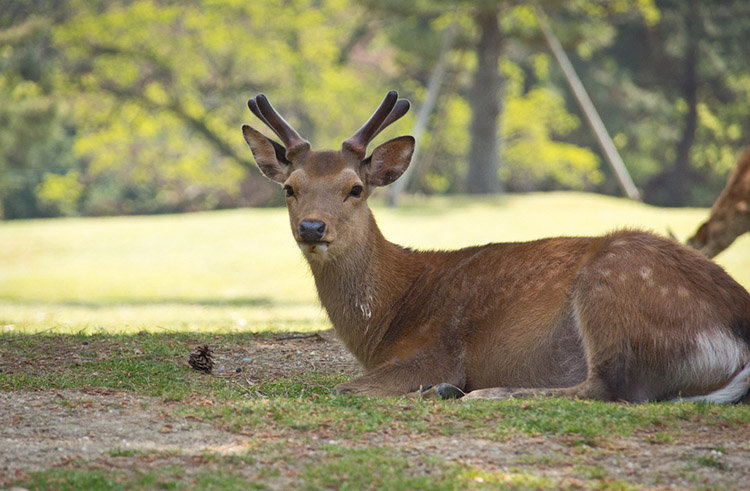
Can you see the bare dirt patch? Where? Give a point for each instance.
(39, 430)
(285, 356)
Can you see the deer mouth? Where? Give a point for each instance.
(319, 247)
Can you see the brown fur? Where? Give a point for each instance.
(730, 215)
(627, 316)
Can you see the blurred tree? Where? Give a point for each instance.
(133, 106)
(499, 63)
(35, 134)
(161, 88)
(675, 94)
(414, 28)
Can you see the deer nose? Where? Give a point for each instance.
(311, 230)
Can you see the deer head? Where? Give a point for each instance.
(327, 191)
(730, 215)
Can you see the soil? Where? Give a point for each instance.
(108, 429)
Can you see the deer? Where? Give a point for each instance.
(730, 214)
(628, 316)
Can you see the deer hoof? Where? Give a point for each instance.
(448, 391)
(440, 391)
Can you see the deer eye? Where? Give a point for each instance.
(289, 191)
(356, 191)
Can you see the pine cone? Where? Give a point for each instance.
(201, 359)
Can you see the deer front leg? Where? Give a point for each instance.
(401, 377)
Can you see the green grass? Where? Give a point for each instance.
(151, 364)
(164, 478)
(117, 303)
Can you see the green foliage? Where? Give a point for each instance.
(133, 107)
(537, 131)
(532, 122)
(674, 94)
(62, 191)
(159, 119)
(34, 139)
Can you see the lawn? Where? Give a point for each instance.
(97, 317)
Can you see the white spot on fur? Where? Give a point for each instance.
(645, 272)
(365, 309)
(364, 304)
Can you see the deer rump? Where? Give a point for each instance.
(628, 316)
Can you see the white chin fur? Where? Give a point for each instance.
(316, 248)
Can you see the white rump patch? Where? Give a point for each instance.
(716, 355)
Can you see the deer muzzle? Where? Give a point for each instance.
(312, 231)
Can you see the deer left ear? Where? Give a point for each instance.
(389, 160)
(269, 155)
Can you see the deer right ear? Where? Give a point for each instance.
(389, 160)
(269, 155)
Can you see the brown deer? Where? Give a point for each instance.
(730, 215)
(628, 316)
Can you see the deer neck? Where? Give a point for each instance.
(359, 288)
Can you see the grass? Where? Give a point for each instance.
(304, 436)
(117, 303)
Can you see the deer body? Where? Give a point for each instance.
(627, 316)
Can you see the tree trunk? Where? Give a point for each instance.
(678, 183)
(485, 108)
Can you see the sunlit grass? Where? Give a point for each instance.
(240, 270)
(123, 317)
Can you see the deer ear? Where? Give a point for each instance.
(269, 155)
(701, 235)
(389, 160)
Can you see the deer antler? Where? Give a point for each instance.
(390, 110)
(263, 109)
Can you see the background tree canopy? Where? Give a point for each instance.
(113, 107)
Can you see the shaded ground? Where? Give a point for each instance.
(121, 431)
